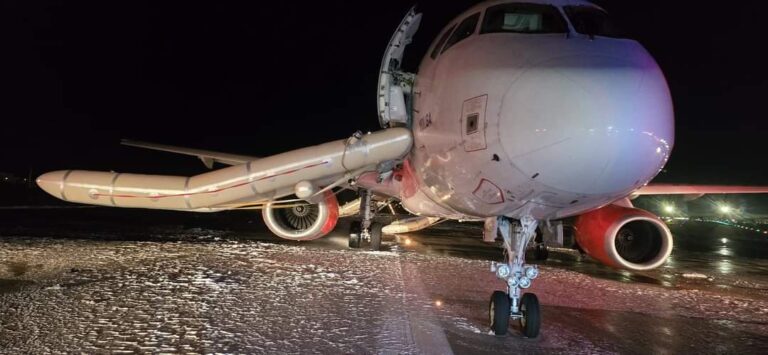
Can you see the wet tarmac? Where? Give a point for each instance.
(101, 280)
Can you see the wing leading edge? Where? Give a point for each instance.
(674, 189)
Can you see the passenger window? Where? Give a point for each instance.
(466, 28)
(440, 43)
(592, 21)
(524, 18)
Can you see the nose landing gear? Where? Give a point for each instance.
(518, 276)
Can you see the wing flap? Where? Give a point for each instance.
(208, 157)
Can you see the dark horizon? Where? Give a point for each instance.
(261, 79)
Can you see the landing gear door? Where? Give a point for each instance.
(395, 87)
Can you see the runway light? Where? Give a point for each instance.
(725, 241)
(439, 303)
(407, 242)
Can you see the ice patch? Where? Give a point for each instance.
(695, 275)
(465, 325)
(383, 253)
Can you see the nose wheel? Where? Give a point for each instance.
(499, 312)
(518, 276)
(530, 317)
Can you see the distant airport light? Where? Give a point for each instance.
(725, 209)
(669, 209)
(439, 303)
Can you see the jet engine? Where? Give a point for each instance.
(303, 221)
(626, 238)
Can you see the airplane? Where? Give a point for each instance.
(525, 115)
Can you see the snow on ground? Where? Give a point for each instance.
(250, 297)
(178, 297)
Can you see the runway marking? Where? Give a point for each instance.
(426, 332)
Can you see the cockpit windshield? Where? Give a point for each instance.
(592, 21)
(524, 18)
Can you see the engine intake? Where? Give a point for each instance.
(303, 221)
(626, 238)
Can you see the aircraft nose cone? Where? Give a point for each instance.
(52, 182)
(590, 124)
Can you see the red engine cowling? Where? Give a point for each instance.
(626, 238)
(303, 221)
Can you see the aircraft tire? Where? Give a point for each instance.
(355, 234)
(530, 322)
(499, 312)
(540, 252)
(376, 236)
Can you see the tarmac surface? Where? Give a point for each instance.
(101, 280)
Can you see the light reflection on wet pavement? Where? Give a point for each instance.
(204, 290)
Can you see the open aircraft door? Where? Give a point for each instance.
(395, 86)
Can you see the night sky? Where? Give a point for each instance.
(260, 78)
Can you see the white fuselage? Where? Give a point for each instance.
(550, 125)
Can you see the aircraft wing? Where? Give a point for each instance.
(309, 173)
(208, 157)
(674, 189)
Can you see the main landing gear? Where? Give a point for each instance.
(513, 304)
(365, 230)
(540, 250)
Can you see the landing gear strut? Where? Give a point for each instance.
(540, 251)
(513, 304)
(365, 229)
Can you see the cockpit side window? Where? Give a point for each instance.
(523, 18)
(465, 29)
(441, 42)
(592, 21)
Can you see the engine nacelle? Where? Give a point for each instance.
(626, 238)
(303, 221)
